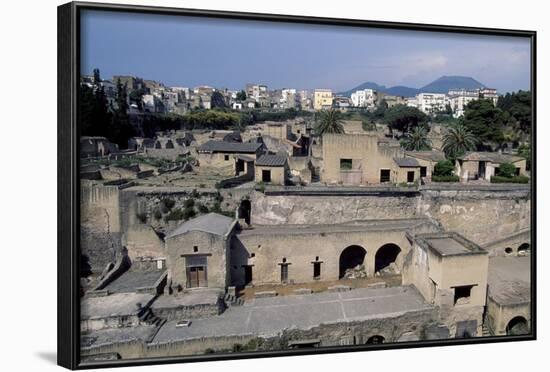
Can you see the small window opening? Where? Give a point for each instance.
(462, 294)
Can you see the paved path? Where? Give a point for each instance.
(268, 316)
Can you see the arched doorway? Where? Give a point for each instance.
(517, 326)
(169, 144)
(244, 210)
(350, 258)
(524, 249)
(377, 339)
(385, 256)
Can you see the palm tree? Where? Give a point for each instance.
(458, 140)
(330, 121)
(417, 140)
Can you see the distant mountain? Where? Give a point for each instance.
(446, 83)
(441, 85)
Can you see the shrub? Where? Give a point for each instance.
(142, 217)
(174, 215)
(189, 203)
(157, 214)
(444, 168)
(514, 179)
(167, 204)
(506, 170)
(450, 178)
(202, 208)
(189, 213)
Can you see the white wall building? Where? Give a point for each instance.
(363, 98)
(459, 98)
(430, 103)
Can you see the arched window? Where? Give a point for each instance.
(385, 256)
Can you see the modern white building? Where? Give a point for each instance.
(459, 98)
(363, 98)
(430, 103)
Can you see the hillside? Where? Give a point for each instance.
(440, 85)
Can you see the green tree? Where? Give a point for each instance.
(484, 121)
(417, 140)
(444, 168)
(93, 113)
(121, 129)
(524, 151)
(329, 121)
(136, 97)
(506, 170)
(458, 140)
(404, 118)
(217, 100)
(241, 96)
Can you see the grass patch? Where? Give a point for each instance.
(514, 179)
(450, 178)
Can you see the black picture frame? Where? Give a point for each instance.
(68, 181)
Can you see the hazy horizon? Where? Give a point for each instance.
(189, 51)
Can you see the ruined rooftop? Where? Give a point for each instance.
(448, 244)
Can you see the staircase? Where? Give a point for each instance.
(231, 300)
(149, 318)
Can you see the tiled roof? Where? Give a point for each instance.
(271, 161)
(235, 147)
(406, 162)
(212, 223)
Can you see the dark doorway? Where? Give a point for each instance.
(386, 255)
(376, 340)
(350, 258)
(247, 274)
(239, 166)
(316, 270)
(410, 176)
(384, 175)
(481, 169)
(244, 210)
(517, 326)
(85, 267)
(423, 171)
(266, 175)
(169, 144)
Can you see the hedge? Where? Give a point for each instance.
(445, 178)
(515, 179)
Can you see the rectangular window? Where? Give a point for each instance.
(346, 164)
(462, 294)
(384, 175)
(316, 270)
(410, 176)
(226, 157)
(284, 273)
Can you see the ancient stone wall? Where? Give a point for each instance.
(100, 228)
(482, 215)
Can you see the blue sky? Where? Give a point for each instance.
(188, 51)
